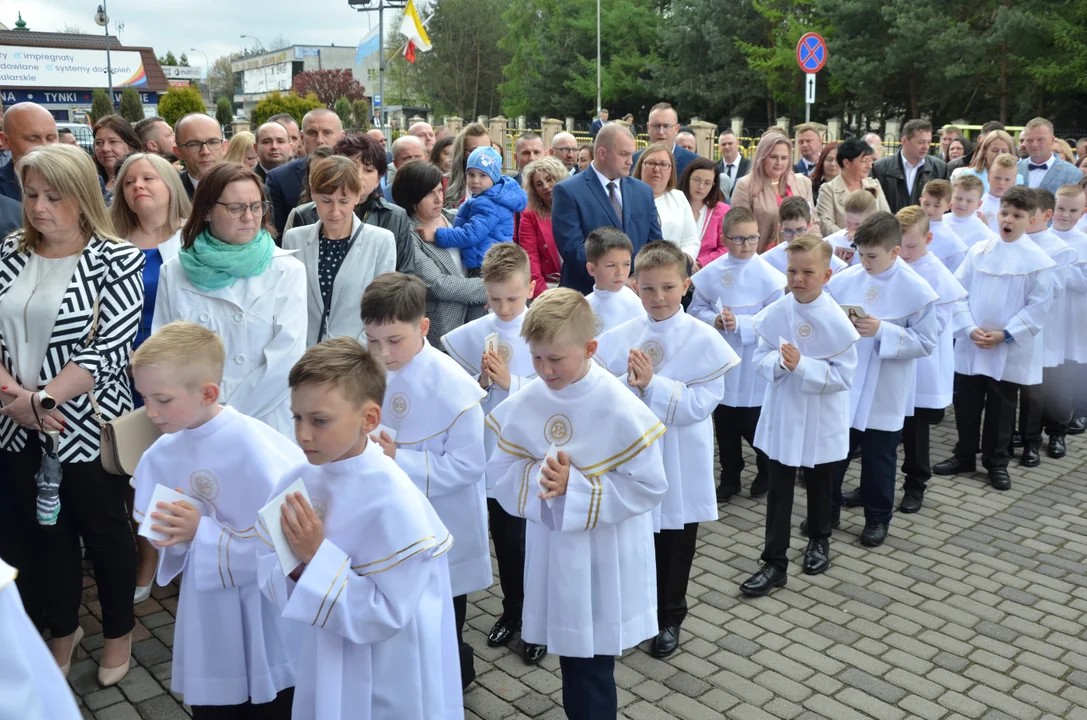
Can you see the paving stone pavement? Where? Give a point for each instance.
(974, 608)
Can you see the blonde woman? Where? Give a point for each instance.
(148, 210)
(770, 181)
(534, 232)
(657, 168)
(70, 299)
(996, 143)
(468, 139)
(242, 150)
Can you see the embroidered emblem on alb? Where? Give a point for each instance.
(400, 404)
(558, 430)
(654, 351)
(804, 331)
(204, 485)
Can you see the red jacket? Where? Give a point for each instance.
(713, 246)
(534, 235)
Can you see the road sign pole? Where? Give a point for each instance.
(811, 56)
(809, 95)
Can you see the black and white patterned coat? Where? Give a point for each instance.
(112, 273)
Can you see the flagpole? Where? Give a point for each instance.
(598, 103)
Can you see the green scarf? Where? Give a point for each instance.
(212, 264)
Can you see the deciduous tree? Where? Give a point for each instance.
(180, 101)
(328, 85)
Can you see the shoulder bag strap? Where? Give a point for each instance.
(90, 338)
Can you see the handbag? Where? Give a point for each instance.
(126, 438)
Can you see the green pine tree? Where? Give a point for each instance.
(342, 107)
(224, 111)
(131, 107)
(100, 105)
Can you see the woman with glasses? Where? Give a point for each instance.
(855, 158)
(769, 182)
(113, 139)
(701, 185)
(231, 278)
(657, 168)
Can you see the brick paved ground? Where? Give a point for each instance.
(973, 609)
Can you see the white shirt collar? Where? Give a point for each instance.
(1052, 157)
(603, 179)
(907, 164)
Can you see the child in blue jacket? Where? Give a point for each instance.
(485, 218)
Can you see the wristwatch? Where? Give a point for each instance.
(1008, 337)
(46, 400)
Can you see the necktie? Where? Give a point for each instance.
(614, 198)
(728, 169)
(1032, 166)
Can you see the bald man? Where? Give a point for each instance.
(405, 148)
(425, 133)
(274, 148)
(320, 128)
(27, 125)
(564, 149)
(198, 142)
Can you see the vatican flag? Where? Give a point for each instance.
(412, 28)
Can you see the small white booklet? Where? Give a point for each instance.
(781, 359)
(552, 452)
(271, 515)
(490, 345)
(166, 495)
(384, 429)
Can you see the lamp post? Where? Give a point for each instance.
(207, 69)
(101, 18)
(251, 37)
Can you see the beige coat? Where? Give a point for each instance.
(764, 205)
(831, 208)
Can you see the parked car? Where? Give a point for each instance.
(84, 136)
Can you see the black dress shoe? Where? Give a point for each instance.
(911, 502)
(835, 521)
(766, 579)
(954, 466)
(1077, 426)
(1017, 440)
(666, 642)
(999, 478)
(817, 556)
(759, 486)
(727, 492)
(533, 653)
(1030, 457)
(852, 499)
(1056, 449)
(874, 534)
(502, 632)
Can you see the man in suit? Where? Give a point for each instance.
(663, 128)
(199, 144)
(732, 166)
(598, 123)
(1043, 168)
(27, 125)
(156, 137)
(405, 148)
(810, 143)
(320, 128)
(564, 149)
(291, 126)
(274, 148)
(601, 196)
(529, 147)
(905, 173)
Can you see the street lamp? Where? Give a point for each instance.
(266, 88)
(207, 68)
(102, 19)
(257, 39)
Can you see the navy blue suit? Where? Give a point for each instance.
(11, 215)
(283, 186)
(9, 184)
(580, 205)
(683, 156)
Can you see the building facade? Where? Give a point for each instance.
(257, 75)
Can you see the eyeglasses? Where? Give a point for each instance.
(790, 234)
(237, 210)
(660, 127)
(658, 165)
(749, 240)
(195, 146)
(564, 149)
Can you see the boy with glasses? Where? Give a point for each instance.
(794, 214)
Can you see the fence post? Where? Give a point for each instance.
(737, 125)
(522, 123)
(783, 123)
(834, 129)
(453, 124)
(705, 137)
(549, 128)
(498, 135)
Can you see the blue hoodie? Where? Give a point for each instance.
(484, 220)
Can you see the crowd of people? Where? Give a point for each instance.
(398, 350)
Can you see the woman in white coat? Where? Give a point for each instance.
(657, 168)
(342, 255)
(231, 278)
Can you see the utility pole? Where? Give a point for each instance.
(382, 60)
(102, 18)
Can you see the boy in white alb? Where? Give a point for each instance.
(676, 366)
(1010, 288)
(507, 276)
(934, 386)
(897, 325)
(1071, 201)
(807, 355)
(608, 253)
(945, 244)
(371, 599)
(1002, 176)
(963, 219)
(728, 293)
(578, 457)
(859, 206)
(433, 407)
(231, 647)
(794, 214)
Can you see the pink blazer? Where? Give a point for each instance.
(536, 238)
(713, 246)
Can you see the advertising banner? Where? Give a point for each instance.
(67, 68)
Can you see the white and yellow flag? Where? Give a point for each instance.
(412, 28)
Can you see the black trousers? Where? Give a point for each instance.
(977, 394)
(1077, 380)
(879, 459)
(1031, 411)
(508, 533)
(588, 688)
(732, 425)
(916, 461)
(675, 553)
(278, 709)
(467, 659)
(1058, 388)
(92, 507)
(779, 508)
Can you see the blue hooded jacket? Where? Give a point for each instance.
(484, 220)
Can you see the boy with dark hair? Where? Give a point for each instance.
(946, 245)
(794, 214)
(608, 253)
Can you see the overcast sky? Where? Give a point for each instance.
(213, 26)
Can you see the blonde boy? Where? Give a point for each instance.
(935, 373)
(966, 194)
(608, 253)
(231, 648)
(859, 206)
(507, 277)
(794, 214)
(1069, 212)
(807, 355)
(729, 292)
(1003, 174)
(578, 457)
(382, 645)
(433, 406)
(945, 244)
(676, 365)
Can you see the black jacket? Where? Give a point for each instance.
(186, 182)
(379, 213)
(892, 178)
(743, 166)
(283, 187)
